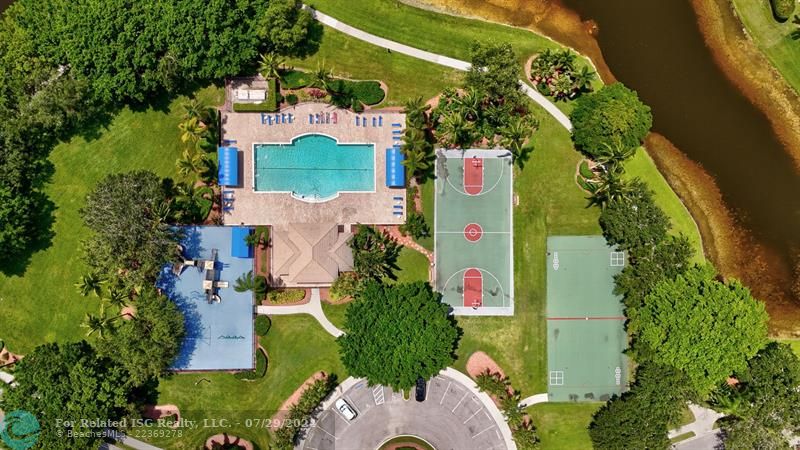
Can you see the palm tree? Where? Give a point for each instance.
(469, 103)
(457, 131)
(322, 77)
(99, 324)
(190, 162)
(608, 187)
(582, 79)
(612, 157)
(195, 202)
(416, 110)
(90, 284)
(192, 131)
(116, 297)
(194, 108)
(417, 163)
(270, 65)
(514, 135)
(249, 282)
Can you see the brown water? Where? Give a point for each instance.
(4, 4)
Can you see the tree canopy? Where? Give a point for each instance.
(640, 417)
(130, 239)
(635, 221)
(495, 71)
(374, 253)
(707, 328)
(397, 333)
(68, 382)
(147, 344)
(612, 116)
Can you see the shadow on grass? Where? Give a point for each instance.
(42, 236)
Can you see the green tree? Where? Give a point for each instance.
(374, 253)
(322, 77)
(525, 437)
(612, 116)
(516, 135)
(416, 226)
(612, 157)
(608, 187)
(90, 283)
(250, 282)
(397, 333)
(147, 345)
(749, 434)
(100, 324)
(704, 327)
(192, 131)
(456, 131)
(15, 222)
(63, 384)
(286, 26)
(495, 72)
(129, 241)
(634, 222)
(416, 111)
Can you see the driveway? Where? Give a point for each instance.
(451, 417)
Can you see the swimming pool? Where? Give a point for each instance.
(314, 167)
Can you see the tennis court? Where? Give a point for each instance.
(474, 254)
(585, 321)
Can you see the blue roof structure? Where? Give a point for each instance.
(219, 335)
(395, 170)
(239, 248)
(228, 160)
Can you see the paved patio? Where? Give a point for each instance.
(260, 208)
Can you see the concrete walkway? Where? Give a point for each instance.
(128, 441)
(533, 399)
(441, 60)
(313, 307)
(703, 424)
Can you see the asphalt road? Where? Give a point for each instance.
(451, 418)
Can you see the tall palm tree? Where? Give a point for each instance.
(99, 324)
(469, 103)
(192, 131)
(190, 162)
(416, 110)
(116, 297)
(270, 65)
(457, 131)
(90, 283)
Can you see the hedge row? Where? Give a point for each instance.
(259, 372)
(368, 92)
(782, 9)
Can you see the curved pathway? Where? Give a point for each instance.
(533, 399)
(441, 60)
(702, 427)
(313, 307)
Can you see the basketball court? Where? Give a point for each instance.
(474, 253)
(585, 321)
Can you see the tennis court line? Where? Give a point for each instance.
(589, 318)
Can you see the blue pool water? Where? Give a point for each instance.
(314, 166)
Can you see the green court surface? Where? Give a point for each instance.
(585, 321)
(473, 236)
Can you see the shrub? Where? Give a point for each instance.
(583, 183)
(782, 9)
(492, 383)
(260, 370)
(585, 171)
(416, 226)
(346, 285)
(262, 325)
(635, 222)
(368, 92)
(356, 105)
(612, 116)
(291, 99)
(525, 437)
(254, 107)
(299, 413)
(296, 79)
(284, 296)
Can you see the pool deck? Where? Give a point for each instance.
(262, 208)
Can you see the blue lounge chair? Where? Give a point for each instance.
(397, 131)
(229, 141)
(398, 197)
(398, 214)
(269, 120)
(396, 138)
(327, 118)
(263, 118)
(397, 125)
(374, 121)
(277, 119)
(364, 122)
(380, 121)
(291, 117)
(310, 118)
(358, 121)
(398, 207)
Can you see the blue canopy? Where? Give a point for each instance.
(239, 248)
(228, 158)
(395, 170)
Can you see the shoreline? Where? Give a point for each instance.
(726, 242)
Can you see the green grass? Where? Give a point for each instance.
(413, 266)
(563, 425)
(642, 166)
(335, 313)
(427, 192)
(686, 418)
(405, 76)
(297, 347)
(773, 38)
(42, 305)
(682, 437)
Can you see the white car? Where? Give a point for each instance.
(346, 410)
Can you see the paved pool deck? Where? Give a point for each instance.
(261, 208)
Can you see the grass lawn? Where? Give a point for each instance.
(773, 38)
(335, 313)
(642, 166)
(297, 347)
(42, 305)
(563, 425)
(405, 76)
(427, 192)
(414, 266)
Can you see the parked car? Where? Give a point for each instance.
(420, 390)
(347, 411)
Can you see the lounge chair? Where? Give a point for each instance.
(277, 118)
(291, 117)
(380, 121)
(263, 118)
(400, 207)
(398, 197)
(397, 131)
(335, 118)
(374, 121)
(397, 125)
(364, 122)
(327, 117)
(220, 284)
(358, 121)
(398, 214)
(310, 118)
